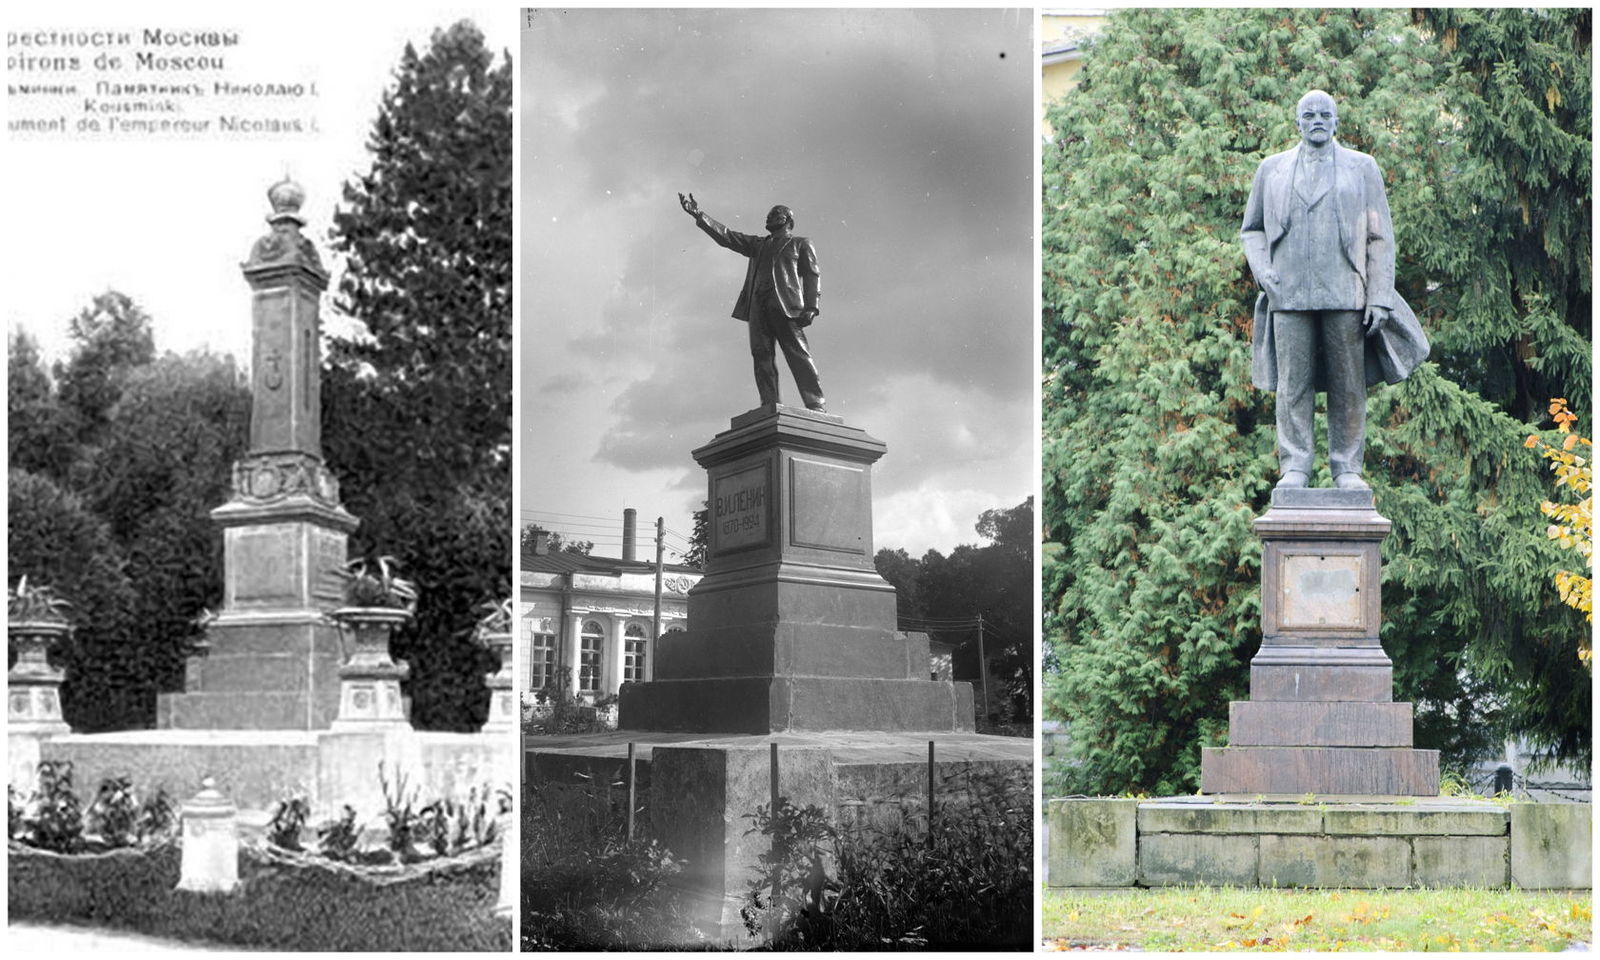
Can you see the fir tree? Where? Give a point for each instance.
(418, 407)
(1158, 452)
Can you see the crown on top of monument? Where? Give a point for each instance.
(286, 196)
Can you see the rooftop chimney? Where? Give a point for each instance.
(630, 523)
(541, 543)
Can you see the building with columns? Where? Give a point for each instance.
(594, 616)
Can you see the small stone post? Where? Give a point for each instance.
(210, 842)
(503, 715)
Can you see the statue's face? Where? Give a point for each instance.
(1317, 118)
(778, 218)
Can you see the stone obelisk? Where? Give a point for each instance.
(270, 660)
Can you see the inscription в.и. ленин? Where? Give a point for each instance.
(739, 509)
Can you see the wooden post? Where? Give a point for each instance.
(777, 864)
(633, 793)
(930, 793)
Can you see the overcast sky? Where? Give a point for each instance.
(901, 139)
(168, 221)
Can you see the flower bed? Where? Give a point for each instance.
(285, 901)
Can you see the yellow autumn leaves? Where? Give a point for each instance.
(1573, 527)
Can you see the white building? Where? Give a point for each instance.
(594, 616)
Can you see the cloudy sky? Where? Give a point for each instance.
(902, 140)
(168, 220)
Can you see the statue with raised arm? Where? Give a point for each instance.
(1319, 241)
(778, 301)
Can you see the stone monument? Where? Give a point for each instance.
(1320, 718)
(792, 628)
(271, 659)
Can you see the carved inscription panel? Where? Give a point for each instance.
(741, 514)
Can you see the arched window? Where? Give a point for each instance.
(590, 643)
(634, 652)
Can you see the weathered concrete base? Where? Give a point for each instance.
(759, 705)
(1333, 841)
(1384, 771)
(698, 792)
(257, 769)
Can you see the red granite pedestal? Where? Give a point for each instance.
(1321, 717)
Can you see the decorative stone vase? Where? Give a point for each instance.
(503, 713)
(369, 680)
(33, 686)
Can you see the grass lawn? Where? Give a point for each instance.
(1222, 918)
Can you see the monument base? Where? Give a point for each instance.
(1383, 771)
(795, 704)
(260, 672)
(697, 793)
(258, 769)
(1361, 842)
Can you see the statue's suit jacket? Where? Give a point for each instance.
(794, 267)
(1366, 242)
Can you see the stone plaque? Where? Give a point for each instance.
(741, 509)
(828, 508)
(265, 565)
(1321, 591)
(271, 400)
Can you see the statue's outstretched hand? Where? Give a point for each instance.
(689, 205)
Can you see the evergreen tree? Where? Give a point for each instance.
(39, 432)
(418, 407)
(110, 337)
(1158, 452)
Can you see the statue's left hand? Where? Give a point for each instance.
(807, 315)
(1377, 318)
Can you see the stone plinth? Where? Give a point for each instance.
(1321, 717)
(1360, 842)
(791, 628)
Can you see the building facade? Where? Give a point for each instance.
(589, 622)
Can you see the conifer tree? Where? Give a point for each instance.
(1158, 452)
(417, 408)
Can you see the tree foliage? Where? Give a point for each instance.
(417, 407)
(987, 589)
(1573, 529)
(1158, 452)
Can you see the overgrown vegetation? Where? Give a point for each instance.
(1205, 919)
(53, 818)
(1157, 450)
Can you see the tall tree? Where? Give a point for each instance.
(110, 337)
(1158, 452)
(418, 407)
(39, 431)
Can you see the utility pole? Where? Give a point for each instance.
(983, 667)
(655, 636)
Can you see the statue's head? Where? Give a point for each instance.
(780, 217)
(1317, 116)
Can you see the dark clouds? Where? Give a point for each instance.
(901, 139)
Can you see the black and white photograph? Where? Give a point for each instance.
(259, 515)
(776, 439)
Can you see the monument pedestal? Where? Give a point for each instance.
(791, 628)
(1321, 717)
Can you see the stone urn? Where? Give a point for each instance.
(33, 686)
(369, 679)
(503, 714)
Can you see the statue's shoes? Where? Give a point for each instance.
(1350, 481)
(1292, 478)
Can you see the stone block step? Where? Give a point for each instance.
(1326, 723)
(1374, 684)
(1382, 771)
(768, 705)
(239, 710)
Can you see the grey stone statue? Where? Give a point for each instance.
(778, 301)
(1320, 243)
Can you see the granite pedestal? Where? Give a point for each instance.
(792, 628)
(1321, 717)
